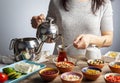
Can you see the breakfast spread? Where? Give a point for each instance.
(90, 72)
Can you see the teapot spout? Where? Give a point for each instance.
(39, 48)
(46, 39)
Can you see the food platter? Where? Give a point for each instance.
(26, 75)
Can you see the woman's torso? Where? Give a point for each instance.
(78, 20)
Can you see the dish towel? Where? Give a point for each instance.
(12, 58)
(7, 59)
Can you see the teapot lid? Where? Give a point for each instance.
(92, 47)
(50, 20)
(61, 47)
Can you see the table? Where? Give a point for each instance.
(80, 64)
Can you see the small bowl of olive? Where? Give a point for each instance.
(99, 63)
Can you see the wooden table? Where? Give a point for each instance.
(81, 63)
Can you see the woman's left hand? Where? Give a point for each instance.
(82, 41)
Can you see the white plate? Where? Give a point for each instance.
(111, 56)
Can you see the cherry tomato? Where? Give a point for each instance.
(3, 77)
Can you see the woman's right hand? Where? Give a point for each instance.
(37, 20)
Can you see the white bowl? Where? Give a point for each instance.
(113, 74)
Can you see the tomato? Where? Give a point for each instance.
(113, 78)
(3, 77)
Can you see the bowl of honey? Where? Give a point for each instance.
(114, 67)
(91, 73)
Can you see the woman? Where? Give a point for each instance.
(82, 22)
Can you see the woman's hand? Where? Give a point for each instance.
(82, 41)
(37, 20)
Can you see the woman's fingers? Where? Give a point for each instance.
(34, 22)
(76, 42)
(41, 16)
(82, 42)
(37, 20)
(78, 39)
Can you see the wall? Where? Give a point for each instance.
(15, 16)
(15, 20)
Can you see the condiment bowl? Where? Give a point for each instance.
(71, 77)
(48, 74)
(65, 66)
(112, 78)
(91, 73)
(115, 67)
(99, 63)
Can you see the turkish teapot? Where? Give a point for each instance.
(21, 44)
(46, 32)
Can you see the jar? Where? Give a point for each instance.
(92, 52)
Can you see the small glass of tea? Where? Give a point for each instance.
(62, 55)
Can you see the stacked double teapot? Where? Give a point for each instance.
(46, 32)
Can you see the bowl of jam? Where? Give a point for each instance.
(48, 74)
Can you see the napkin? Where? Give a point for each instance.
(7, 59)
(43, 56)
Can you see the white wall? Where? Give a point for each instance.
(15, 16)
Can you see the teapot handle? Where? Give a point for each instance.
(12, 42)
(50, 19)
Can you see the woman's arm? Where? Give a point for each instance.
(105, 40)
(84, 40)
